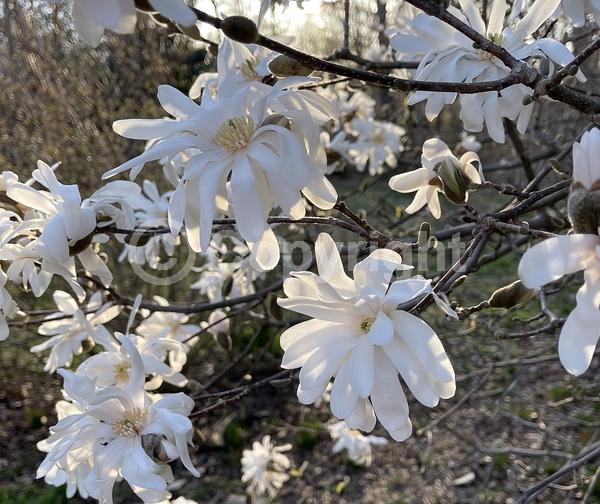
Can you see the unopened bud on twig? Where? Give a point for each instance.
(241, 29)
(284, 66)
(454, 182)
(510, 295)
(583, 208)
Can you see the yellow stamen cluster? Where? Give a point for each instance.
(234, 134)
(366, 324)
(131, 423)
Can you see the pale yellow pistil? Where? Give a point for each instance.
(121, 371)
(131, 424)
(235, 134)
(366, 323)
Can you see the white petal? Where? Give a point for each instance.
(362, 367)
(551, 259)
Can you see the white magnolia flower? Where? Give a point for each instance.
(71, 326)
(72, 467)
(113, 366)
(426, 180)
(123, 432)
(264, 467)
(376, 143)
(57, 227)
(357, 445)
(359, 337)
(448, 55)
(237, 66)
(563, 255)
(92, 17)
(260, 148)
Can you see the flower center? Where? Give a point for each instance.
(121, 371)
(234, 134)
(131, 423)
(366, 324)
(248, 69)
(378, 137)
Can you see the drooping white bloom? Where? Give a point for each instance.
(563, 255)
(92, 17)
(358, 447)
(71, 326)
(426, 181)
(359, 337)
(113, 366)
(448, 55)
(375, 143)
(237, 66)
(264, 467)
(58, 226)
(123, 433)
(259, 148)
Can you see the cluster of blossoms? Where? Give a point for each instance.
(247, 149)
(445, 54)
(108, 433)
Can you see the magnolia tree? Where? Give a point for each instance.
(247, 158)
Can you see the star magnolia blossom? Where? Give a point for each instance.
(92, 17)
(425, 180)
(264, 467)
(113, 366)
(110, 432)
(71, 326)
(563, 255)
(58, 226)
(448, 55)
(377, 143)
(259, 148)
(360, 338)
(358, 447)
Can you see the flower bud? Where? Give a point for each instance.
(241, 29)
(510, 295)
(284, 66)
(454, 182)
(583, 208)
